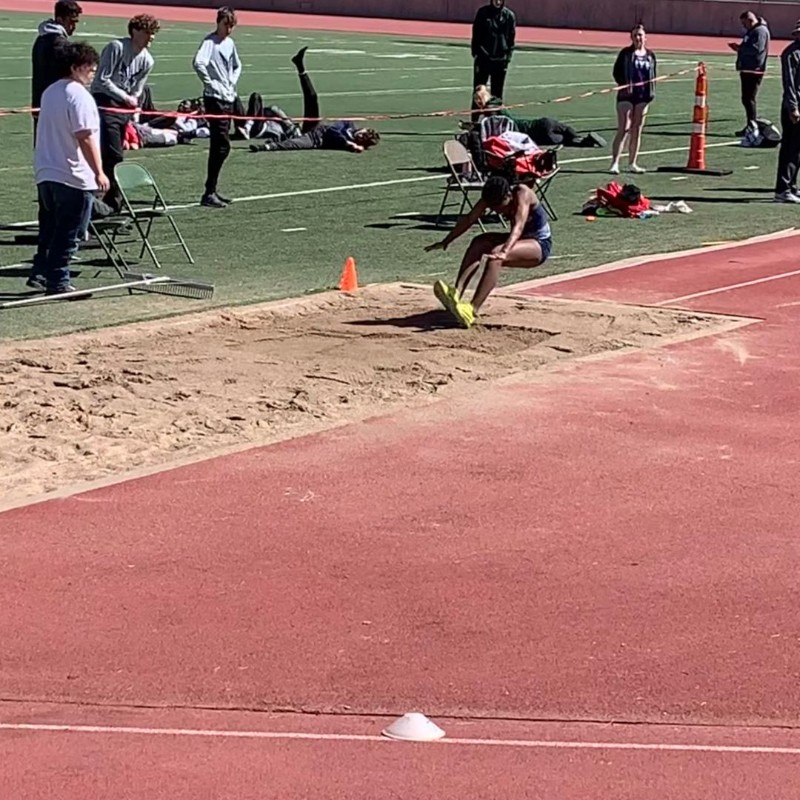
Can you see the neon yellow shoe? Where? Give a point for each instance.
(446, 295)
(465, 314)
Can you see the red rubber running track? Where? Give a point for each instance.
(619, 543)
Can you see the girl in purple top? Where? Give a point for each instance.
(635, 75)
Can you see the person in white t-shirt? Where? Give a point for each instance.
(68, 167)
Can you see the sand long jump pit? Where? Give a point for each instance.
(95, 405)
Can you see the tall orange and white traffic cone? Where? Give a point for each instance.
(697, 145)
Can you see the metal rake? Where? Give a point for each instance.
(161, 284)
(178, 287)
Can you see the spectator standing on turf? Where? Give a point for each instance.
(751, 63)
(635, 75)
(218, 66)
(68, 166)
(53, 33)
(125, 65)
(789, 154)
(493, 35)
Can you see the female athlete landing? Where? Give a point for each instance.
(528, 245)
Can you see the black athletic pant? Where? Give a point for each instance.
(789, 155)
(548, 131)
(493, 75)
(311, 137)
(259, 114)
(750, 85)
(219, 145)
(151, 118)
(112, 134)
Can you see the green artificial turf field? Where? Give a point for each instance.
(301, 214)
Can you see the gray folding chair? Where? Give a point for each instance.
(464, 179)
(144, 204)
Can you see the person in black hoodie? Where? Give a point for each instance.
(751, 63)
(493, 34)
(635, 76)
(53, 33)
(789, 155)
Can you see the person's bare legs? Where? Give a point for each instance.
(525, 254)
(635, 142)
(478, 247)
(624, 113)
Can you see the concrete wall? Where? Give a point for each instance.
(704, 17)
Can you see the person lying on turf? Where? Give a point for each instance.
(545, 131)
(268, 122)
(527, 245)
(341, 135)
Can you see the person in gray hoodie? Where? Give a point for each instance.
(125, 64)
(789, 154)
(751, 63)
(52, 34)
(218, 66)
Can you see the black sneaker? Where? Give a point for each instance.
(298, 59)
(68, 289)
(224, 199)
(36, 282)
(259, 148)
(211, 201)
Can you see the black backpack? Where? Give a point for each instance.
(770, 135)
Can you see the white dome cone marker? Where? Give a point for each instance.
(414, 727)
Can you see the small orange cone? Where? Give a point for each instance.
(349, 280)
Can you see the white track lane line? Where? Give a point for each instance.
(729, 288)
(532, 744)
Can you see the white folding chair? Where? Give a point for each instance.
(496, 125)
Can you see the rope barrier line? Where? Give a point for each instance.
(6, 112)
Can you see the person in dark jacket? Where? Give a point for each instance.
(751, 63)
(789, 154)
(635, 75)
(493, 35)
(52, 34)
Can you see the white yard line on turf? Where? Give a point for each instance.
(345, 737)
(399, 181)
(34, 31)
(419, 179)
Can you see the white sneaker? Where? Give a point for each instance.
(787, 197)
(636, 169)
(614, 169)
